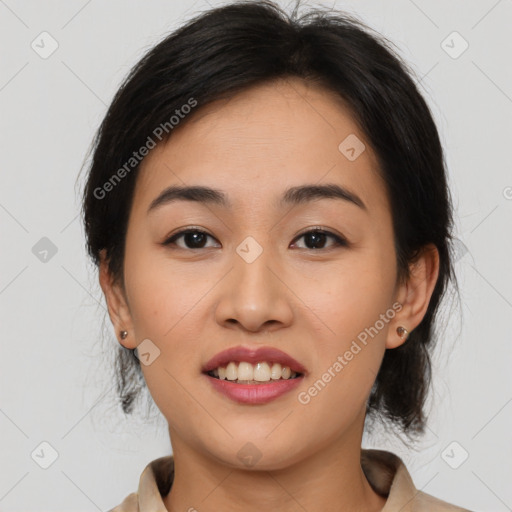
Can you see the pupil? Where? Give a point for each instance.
(317, 238)
(192, 238)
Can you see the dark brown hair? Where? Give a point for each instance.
(225, 50)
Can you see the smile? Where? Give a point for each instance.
(247, 373)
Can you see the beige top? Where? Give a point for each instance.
(384, 470)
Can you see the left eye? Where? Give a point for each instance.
(318, 236)
(196, 239)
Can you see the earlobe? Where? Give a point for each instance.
(118, 309)
(414, 295)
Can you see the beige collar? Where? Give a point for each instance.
(384, 470)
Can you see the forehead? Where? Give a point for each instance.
(261, 141)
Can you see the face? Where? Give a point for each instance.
(313, 278)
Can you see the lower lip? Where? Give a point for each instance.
(254, 394)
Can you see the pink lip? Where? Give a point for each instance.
(252, 355)
(254, 394)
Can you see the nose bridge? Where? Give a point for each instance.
(251, 267)
(253, 295)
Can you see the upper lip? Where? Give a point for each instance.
(253, 355)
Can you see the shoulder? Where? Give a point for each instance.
(154, 482)
(388, 475)
(424, 502)
(129, 504)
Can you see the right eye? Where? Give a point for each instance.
(193, 237)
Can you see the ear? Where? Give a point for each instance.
(118, 309)
(415, 294)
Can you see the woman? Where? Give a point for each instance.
(268, 208)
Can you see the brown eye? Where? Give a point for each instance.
(316, 238)
(193, 239)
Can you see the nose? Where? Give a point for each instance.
(253, 296)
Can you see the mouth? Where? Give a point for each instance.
(244, 372)
(253, 376)
(258, 365)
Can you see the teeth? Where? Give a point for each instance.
(275, 371)
(231, 371)
(259, 372)
(246, 372)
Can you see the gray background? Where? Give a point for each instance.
(56, 386)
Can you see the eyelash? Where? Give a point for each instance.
(340, 241)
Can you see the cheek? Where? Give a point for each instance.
(348, 354)
(351, 298)
(355, 308)
(160, 295)
(166, 308)
(162, 303)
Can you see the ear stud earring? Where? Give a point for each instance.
(402, 332)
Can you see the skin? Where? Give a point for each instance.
(311, 303)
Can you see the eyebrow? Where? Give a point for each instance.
(292, 196)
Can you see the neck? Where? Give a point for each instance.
(331, 478)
